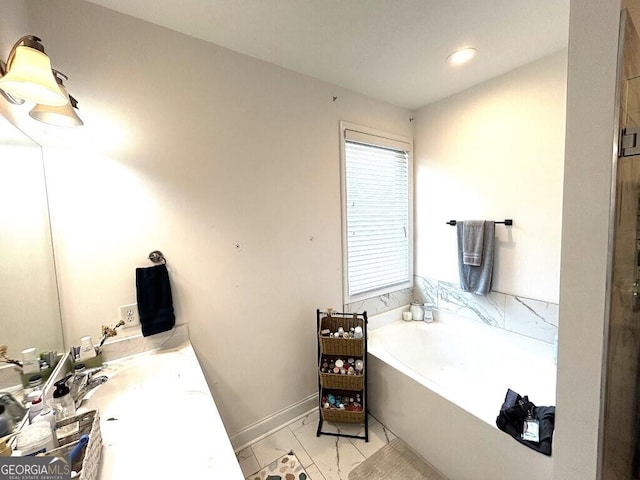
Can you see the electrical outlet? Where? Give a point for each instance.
(129, 315)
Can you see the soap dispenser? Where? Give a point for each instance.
(64, 406)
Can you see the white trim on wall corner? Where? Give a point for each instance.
(269, 424)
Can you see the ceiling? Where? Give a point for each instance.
(391, 50)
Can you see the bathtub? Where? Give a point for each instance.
(440, 386)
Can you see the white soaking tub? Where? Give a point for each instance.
(439, 386)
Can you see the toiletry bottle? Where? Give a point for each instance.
(428, 312)
(64, 406)
(48, 416)
(35, 385)
(87, 350)
(34, 439)
(35, 407)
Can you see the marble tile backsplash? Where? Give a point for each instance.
(382, 303)
(533, 318)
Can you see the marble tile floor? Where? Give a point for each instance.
(325, 457)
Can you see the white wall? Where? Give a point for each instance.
(190, 148)
(492, 152)
(593, 35)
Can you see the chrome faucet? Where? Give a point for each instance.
(82, 376)
(84, 381)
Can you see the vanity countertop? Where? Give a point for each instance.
(159, 420)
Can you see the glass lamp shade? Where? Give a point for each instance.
(30, 77)
(64, 116)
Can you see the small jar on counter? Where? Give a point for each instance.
(417, 311)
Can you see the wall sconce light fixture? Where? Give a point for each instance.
(60, 116)
(28, 76)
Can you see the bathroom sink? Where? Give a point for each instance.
(158, 419)
(152, 382)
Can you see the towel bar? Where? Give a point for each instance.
(507, 222)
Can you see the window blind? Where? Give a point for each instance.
(377, 214)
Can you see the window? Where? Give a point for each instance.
(377, 212)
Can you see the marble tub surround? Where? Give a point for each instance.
(381, 303)
(386, 318)
(488, 309)
(533, 318)
(159, 420)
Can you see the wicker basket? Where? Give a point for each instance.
(342, 416)
(341, 346)
(88, 461)
(342, 382)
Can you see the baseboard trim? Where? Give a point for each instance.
(273, 422)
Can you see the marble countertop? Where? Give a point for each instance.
(159, 420)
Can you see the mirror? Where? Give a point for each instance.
(29, 306)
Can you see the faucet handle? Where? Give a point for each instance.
(90, 372)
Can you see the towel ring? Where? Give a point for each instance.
(157, 257)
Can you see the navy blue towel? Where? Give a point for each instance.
(155, 303)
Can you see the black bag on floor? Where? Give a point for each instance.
(513, 413)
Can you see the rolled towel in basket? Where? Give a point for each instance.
(155, 303)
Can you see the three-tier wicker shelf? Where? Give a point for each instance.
(350, 387)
